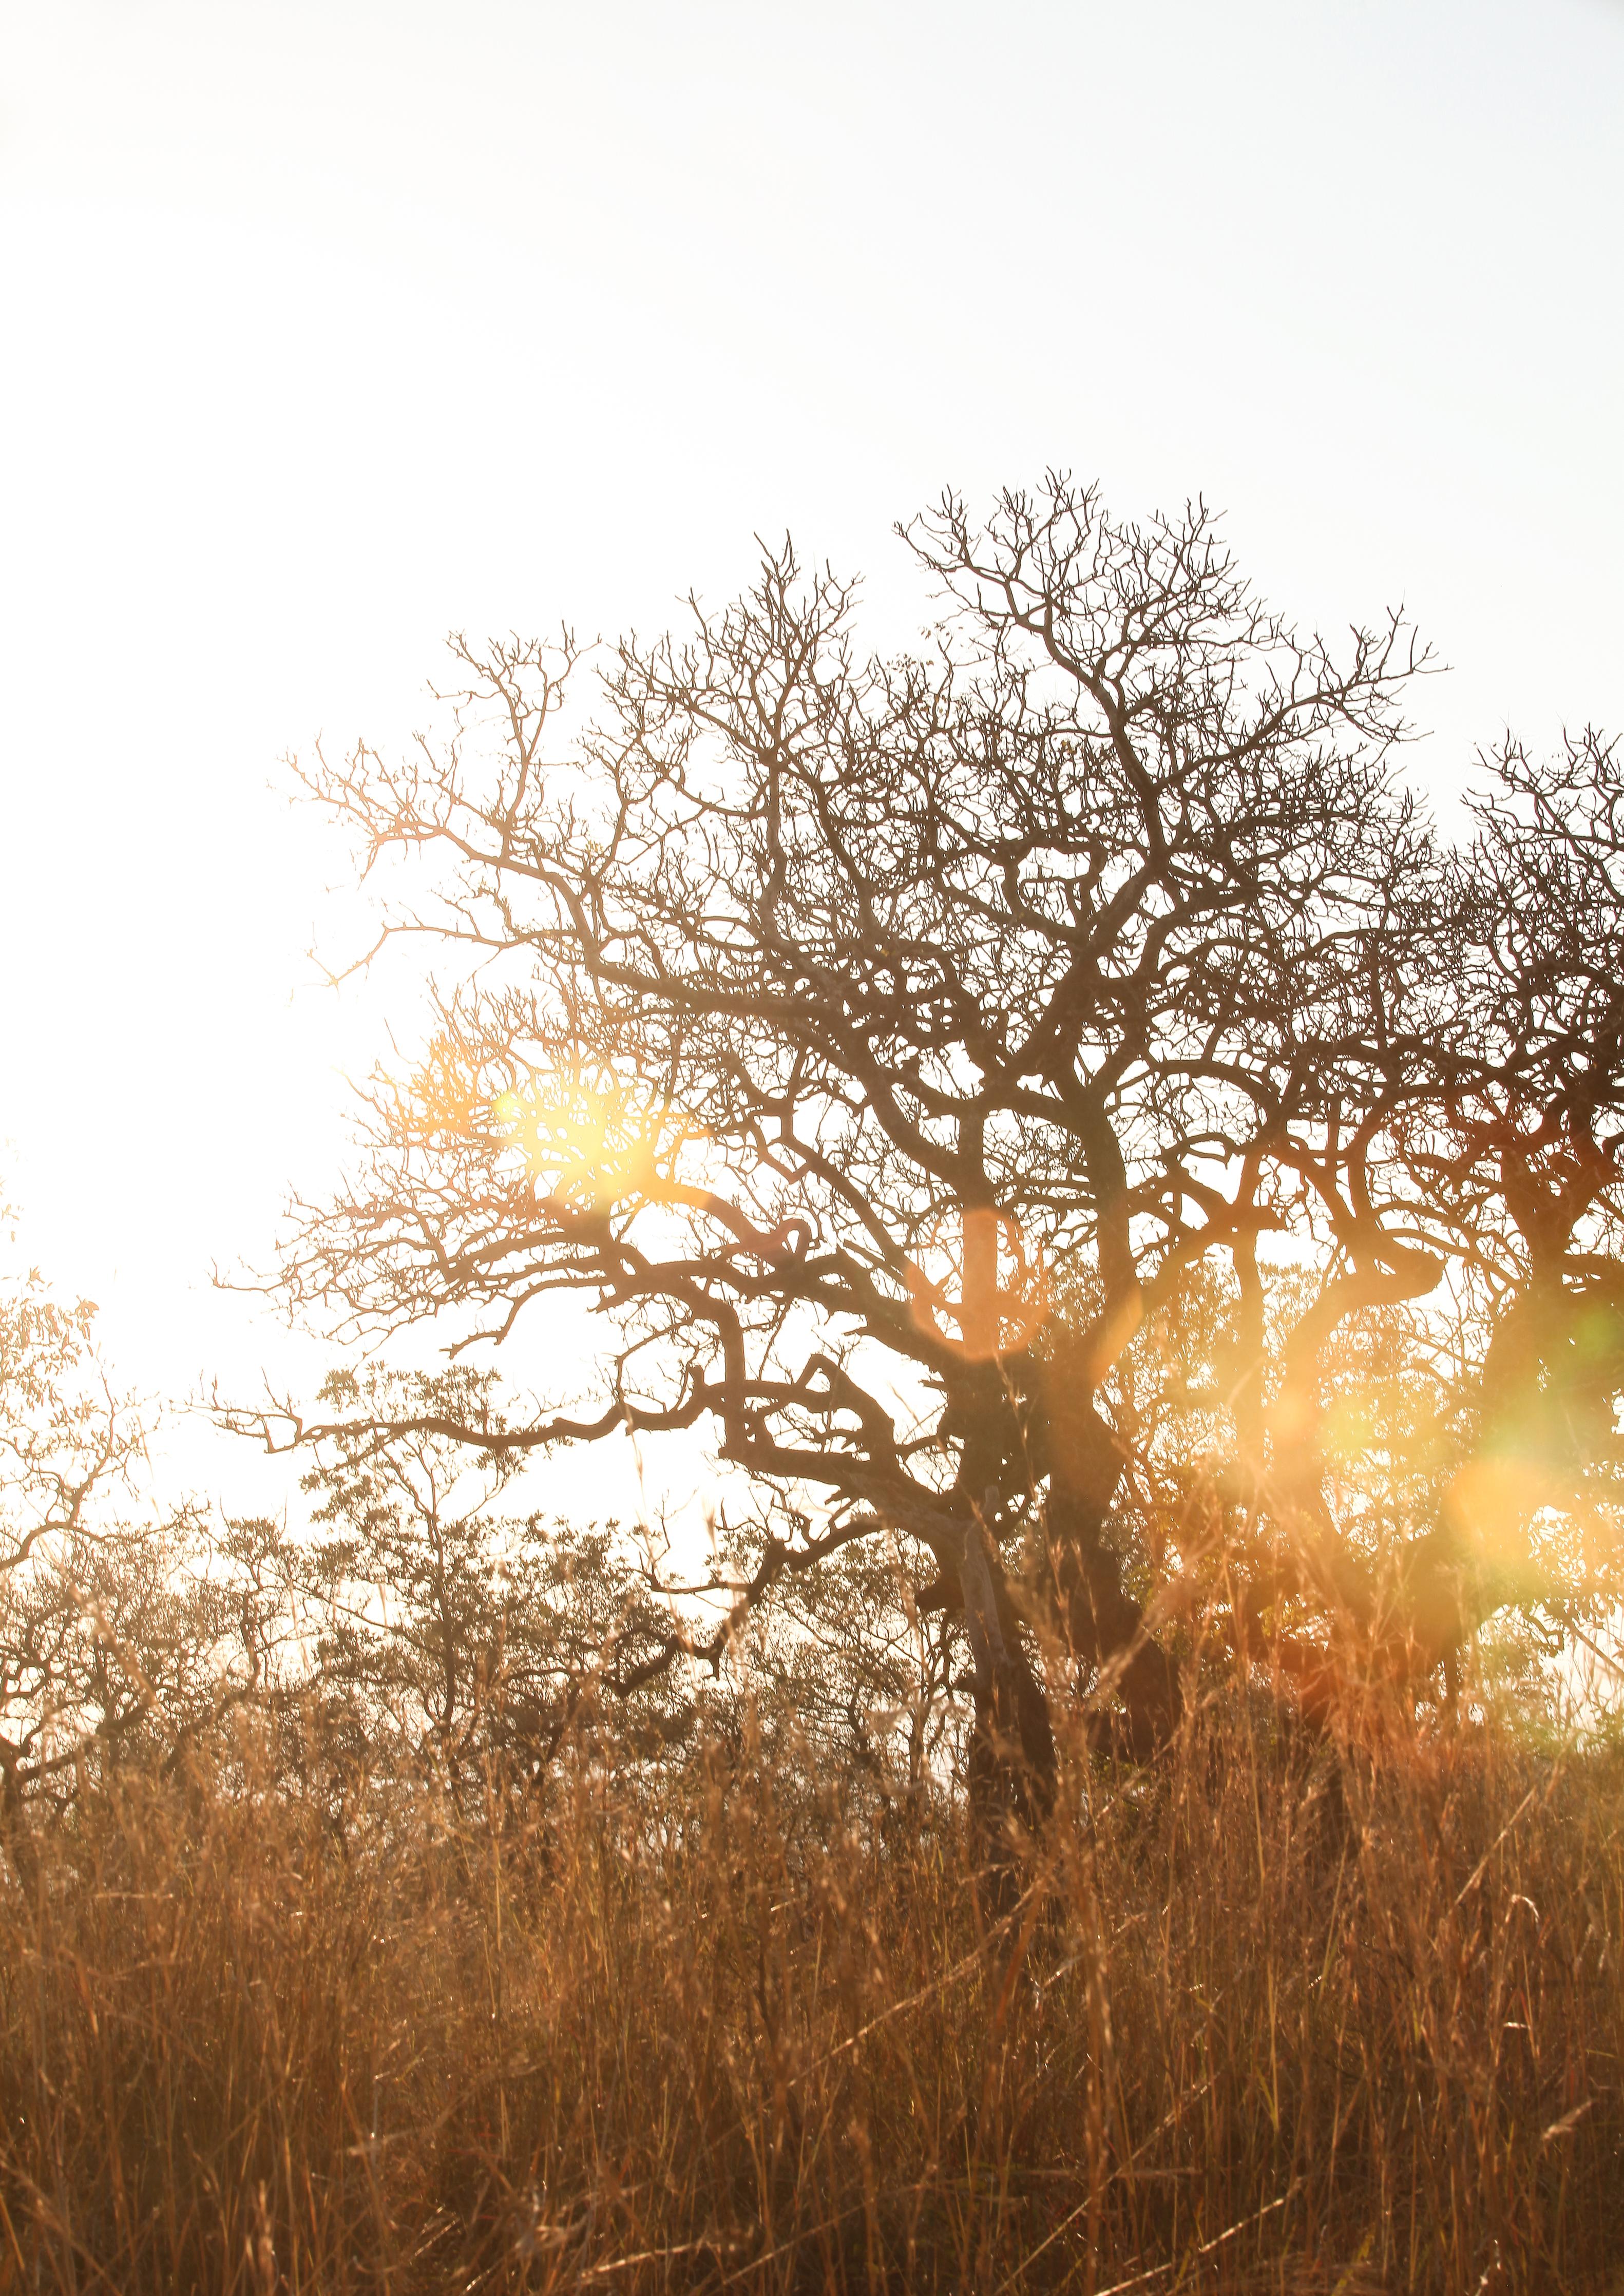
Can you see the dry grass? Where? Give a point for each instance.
(1260, 2021)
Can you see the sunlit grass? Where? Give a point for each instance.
(1261, 2018)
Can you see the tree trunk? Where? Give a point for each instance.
(1100, 1618)
(1011, 1753)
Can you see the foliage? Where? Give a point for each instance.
(99, 1658)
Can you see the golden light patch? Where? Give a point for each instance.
(1493, 1499)
(1350, 1428)
(976, 1271)
(592, 1144)
(1293, 1417)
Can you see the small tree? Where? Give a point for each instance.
(431, 1629)
(1024, 1096)
(103, 1641)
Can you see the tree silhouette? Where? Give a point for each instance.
(1050, 1095)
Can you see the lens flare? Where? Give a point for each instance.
(977, 1271)
(589, 1145)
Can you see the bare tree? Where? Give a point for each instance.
(1515, 1159)
(1004, 1094)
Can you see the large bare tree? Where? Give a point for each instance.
(1049, 1094)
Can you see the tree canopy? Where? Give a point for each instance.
(1054, 1095)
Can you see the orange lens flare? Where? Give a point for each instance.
(1495, 1500)
(976, 1272)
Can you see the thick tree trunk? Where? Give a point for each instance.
(16, 1829)
(1101, 1620)
(1011, 1754)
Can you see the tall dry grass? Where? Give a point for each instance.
(1259, 2018)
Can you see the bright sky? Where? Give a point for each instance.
(329, 327)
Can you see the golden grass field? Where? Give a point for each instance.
(1328, 2019)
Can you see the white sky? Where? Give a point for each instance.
(327, 328)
